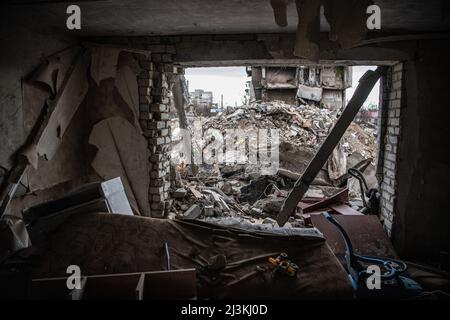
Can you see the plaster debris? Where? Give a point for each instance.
(241, 191)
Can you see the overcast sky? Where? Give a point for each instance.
(358, 72)
(230, 81)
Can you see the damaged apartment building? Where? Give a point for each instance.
(107, 168)
(322, 85)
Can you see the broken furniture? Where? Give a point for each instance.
(155, 285)
(229, 262)
(108, 196)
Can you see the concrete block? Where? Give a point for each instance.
(145, 116)
(161, 116)
(158, 125)
(193, 212)
(179, 193)
(156, 190)
(145, 91)
(157, 182)
(158, 107)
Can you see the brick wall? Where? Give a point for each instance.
(393, 101)
(154, 99)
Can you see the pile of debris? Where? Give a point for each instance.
(238, 193)
(306, 126)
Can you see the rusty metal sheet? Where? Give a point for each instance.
(345, 210)
(338, 198)
(366, 233)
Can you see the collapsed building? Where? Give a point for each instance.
(91, 179)
(322, 85)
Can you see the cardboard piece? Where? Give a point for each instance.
(126, 84)
(63, 107)
(122, 152)
(103, 63)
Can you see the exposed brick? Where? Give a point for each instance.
(161, 99)
(172, 39)
(145, 82)
(158, 125)
(171, 49)
(157, 141)
(144, 107)
(158, 206)
(157, 174)
(398, 67)
(145, 75)
(153, 40)
(157, 57)
(144, 91)
(157, 182)
(156, 190)
(145, 98)
(157, 48)
(147, 65)
(161, 116)
(158, 107)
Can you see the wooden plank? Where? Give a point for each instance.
(345, 210)
(173, 284)
(365, 85)
(195, 192)
(340, 197)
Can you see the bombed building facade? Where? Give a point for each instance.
(105, 169)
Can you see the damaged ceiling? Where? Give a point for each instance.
(149, 17)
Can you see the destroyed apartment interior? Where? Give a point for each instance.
(217, 150)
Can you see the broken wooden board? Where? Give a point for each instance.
(340, 197)
(153, 285)
(122, 152)
(345, 210)
(195, 192)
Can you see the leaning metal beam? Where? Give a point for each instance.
(366, 84)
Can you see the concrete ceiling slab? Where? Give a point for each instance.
(172, 17)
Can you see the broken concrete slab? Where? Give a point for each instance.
(179, 193)
(271, 205)
(192, 213)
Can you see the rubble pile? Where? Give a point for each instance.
(306, 126)
(237, 193)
